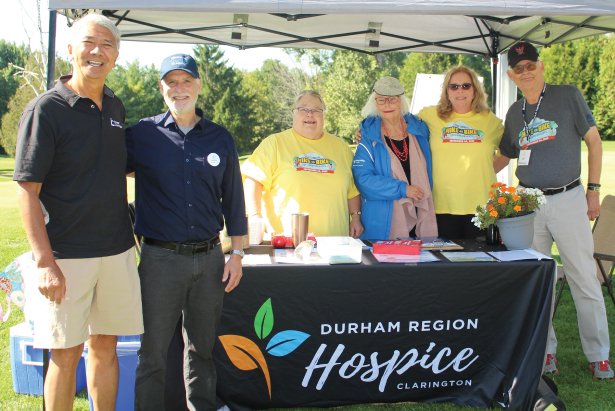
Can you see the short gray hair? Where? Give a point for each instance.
(371, 108)
(98, 20)
(311, 93)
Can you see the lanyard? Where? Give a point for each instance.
(526, 126)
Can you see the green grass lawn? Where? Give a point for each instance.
(576, 387)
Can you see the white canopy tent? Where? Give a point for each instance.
(483, 27)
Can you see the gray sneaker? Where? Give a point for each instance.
(550, 365)
(601, 370)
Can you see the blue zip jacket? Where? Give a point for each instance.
(371, 169)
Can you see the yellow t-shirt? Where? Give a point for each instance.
(462, 150)
(303, 175)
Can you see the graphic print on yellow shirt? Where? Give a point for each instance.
(540, 130)
(460, 132)
(462, 173)
(314, 162)
(303, 175)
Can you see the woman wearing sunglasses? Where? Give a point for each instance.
(464, 137)
(392, 167)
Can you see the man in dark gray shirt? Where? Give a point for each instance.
(544, 131)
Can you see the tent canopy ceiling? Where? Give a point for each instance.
(484, 27)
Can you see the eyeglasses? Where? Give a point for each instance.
(520, 68)
(464, 86)
(305, 111)
(384, 100)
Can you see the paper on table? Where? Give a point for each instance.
(256, 259)
(423, 257)
(469, 256)
(517, 255)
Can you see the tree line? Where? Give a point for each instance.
(254, 104)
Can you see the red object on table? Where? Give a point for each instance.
(279, 241)
(400, 247)
(282, 241)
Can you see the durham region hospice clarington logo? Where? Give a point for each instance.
(246, 354)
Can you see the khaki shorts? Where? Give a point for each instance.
(103, 296)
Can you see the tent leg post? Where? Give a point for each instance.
(51, 50)
(494, 80)
(51, 68)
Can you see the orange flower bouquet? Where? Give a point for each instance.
(505, 202)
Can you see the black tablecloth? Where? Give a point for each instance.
(467, 333)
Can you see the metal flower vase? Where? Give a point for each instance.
(517, 233)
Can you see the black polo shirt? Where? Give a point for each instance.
(187, 185)
(78, 153)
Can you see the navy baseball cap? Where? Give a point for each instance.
(521, 51)
(183, 62)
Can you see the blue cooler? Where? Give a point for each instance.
(125, 338)
(127, 360)
(27, 363)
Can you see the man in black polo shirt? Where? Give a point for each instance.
(188, 184)
(70, 169)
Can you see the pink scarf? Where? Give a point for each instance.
(407, 212)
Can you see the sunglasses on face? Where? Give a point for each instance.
(384, 100)
(464, 86)
(520, 68)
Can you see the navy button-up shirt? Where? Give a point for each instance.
(187, 185)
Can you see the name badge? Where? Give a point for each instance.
(524, 157)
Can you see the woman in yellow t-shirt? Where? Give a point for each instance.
(464, 137)
(304, 169)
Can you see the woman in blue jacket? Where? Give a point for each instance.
(392, 167)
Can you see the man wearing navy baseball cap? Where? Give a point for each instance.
(188, 185)
(179, 62)
(544, 131)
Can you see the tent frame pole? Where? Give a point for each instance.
(51, 68)
(495, 45)
(51, 49)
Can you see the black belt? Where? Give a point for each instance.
(551, 191)
(185, 248)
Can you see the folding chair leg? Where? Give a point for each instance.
(558, 295)
(607, 280)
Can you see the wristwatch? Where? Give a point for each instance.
(240, 253)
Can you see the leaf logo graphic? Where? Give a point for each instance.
(263, 321)
(247, 356)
